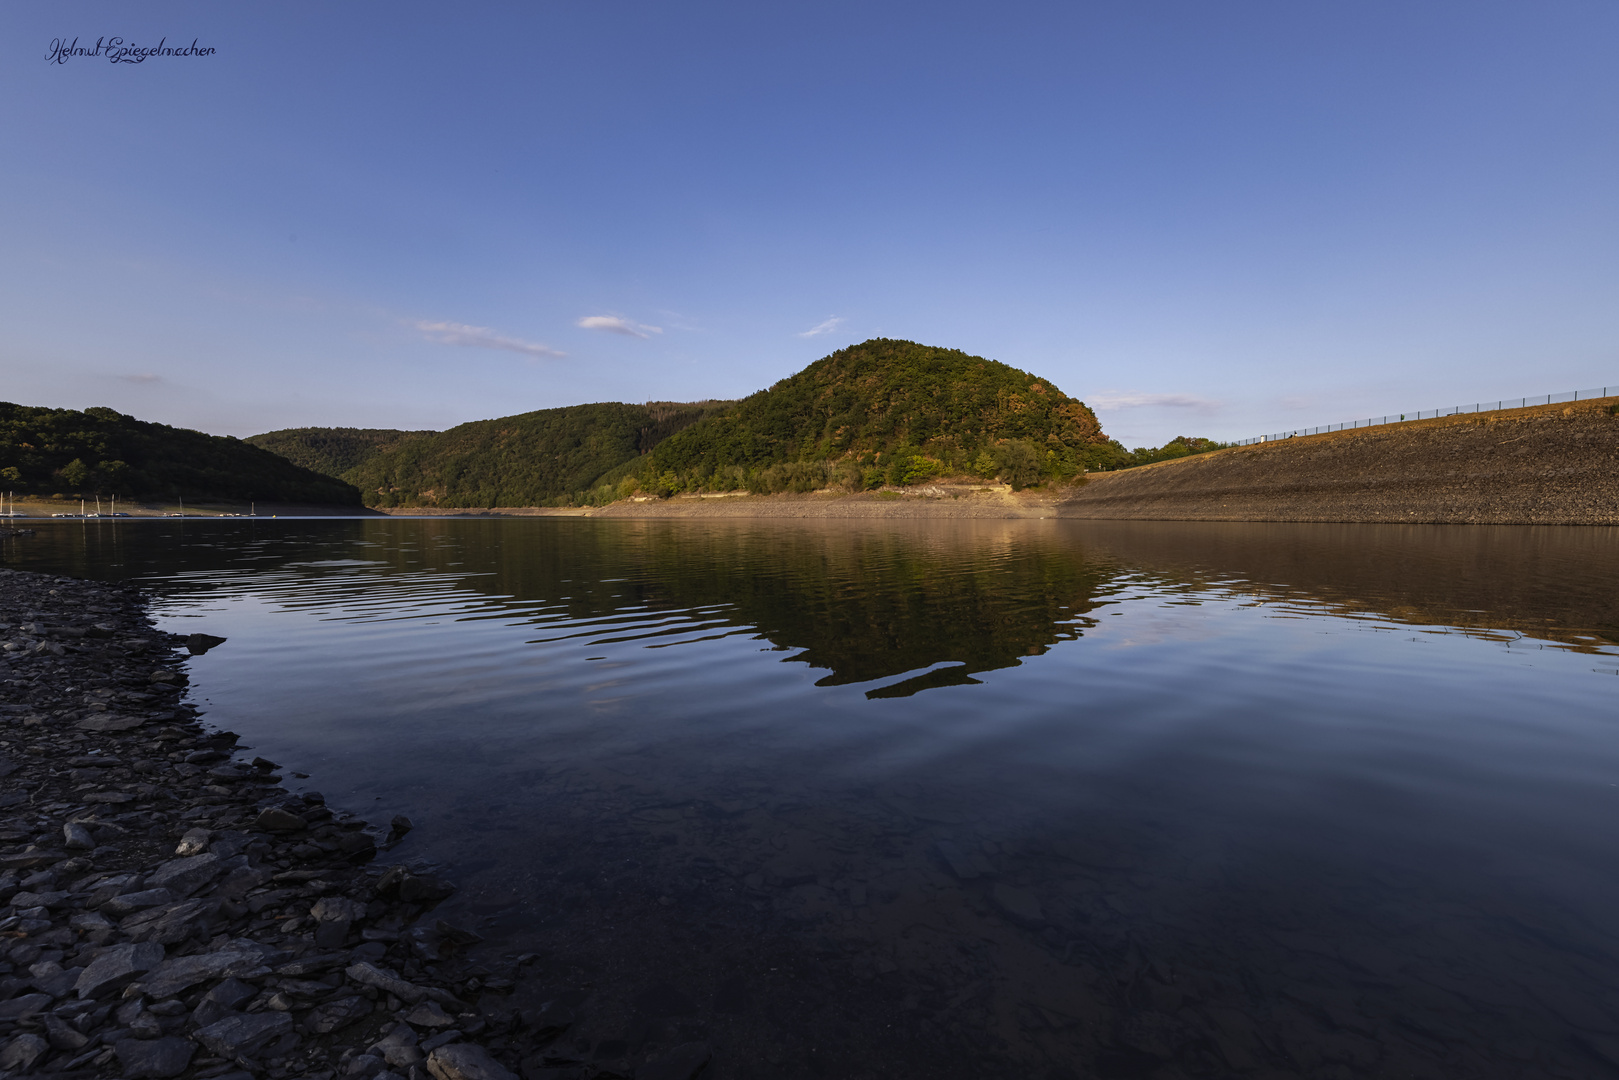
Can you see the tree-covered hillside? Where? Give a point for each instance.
(333, 451)
(102, 452)
(533, 459)
(881, 412)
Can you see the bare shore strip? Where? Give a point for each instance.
(169, 909)
(1544, 465)
(968, 499)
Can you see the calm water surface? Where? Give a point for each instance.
(1034, 798)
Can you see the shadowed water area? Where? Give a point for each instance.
(1030, 798)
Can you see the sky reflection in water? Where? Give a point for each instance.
(1129, 798)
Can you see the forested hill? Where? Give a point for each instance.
(333, 451)
(102, 452)
(886, 411)
(533, 459)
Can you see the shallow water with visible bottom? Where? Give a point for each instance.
(1029, 798)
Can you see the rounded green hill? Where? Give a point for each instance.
(885, 411)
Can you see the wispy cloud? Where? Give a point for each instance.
(613, 324)
(1111, 399)
(826, 327)
(143, 377)
(481, 337)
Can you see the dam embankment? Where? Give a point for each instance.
(1545, 465)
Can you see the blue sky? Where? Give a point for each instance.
(1200, 217)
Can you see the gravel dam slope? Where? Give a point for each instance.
(1546, 465)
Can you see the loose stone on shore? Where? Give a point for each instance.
(170, 909)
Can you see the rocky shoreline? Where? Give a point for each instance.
(169, 909)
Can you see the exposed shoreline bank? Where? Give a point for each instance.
(32, 510)
(267, 943)
(1544, 465)
(942, 500)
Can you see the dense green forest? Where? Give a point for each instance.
(333, 451)
(538, 458)
(102, 452)
(886, 412)
(1178, 447)
(880, 413)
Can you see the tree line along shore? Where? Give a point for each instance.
(877, 429)
(1542, 465)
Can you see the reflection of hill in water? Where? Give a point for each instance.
(870, 601)
(869, 604)
(1559, 584)
(864, 603)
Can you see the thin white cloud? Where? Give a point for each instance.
(143, 377)
(613, 324)
(481, 337)
(1109, 399)
(827, 327)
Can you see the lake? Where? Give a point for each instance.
(930, 798)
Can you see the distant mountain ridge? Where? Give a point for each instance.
(881, 412)
(333, 451)
(100, 451)
(536, 458)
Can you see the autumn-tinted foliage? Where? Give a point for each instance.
(532, 459)
(101, 452)
(886, 411)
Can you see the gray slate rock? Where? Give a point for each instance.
(398, 1047)
(117, 967)
(336, 909)
(138, 901)
(76, 837)
(240, 959)
(109, 798)
(223, 1000)
(165, 1057)
(368, 974)
(338, 1014)
(241, 881)
(429, 1014)
(88, 922)
(23, 1005)
(275, 819)
(62, 1037)
(23, 1053)
(241, 1036)
(173, 924)
(466, 1061)
(57, 984)
(185, 876)
(305, 966)
(364, 1065)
